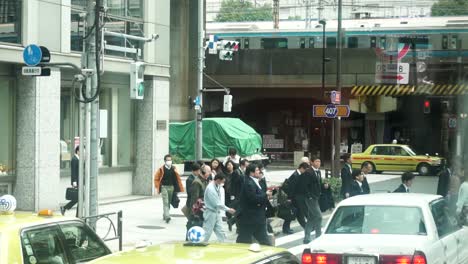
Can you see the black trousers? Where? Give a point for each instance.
(311, 210)
(300, 216)
(248, 231)
(70, 204)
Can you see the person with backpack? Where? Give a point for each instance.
(288, 209)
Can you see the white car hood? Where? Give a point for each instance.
(368, 244)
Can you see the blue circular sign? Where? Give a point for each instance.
(331, 111)
(32, 55)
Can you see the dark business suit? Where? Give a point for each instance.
(252, 219)
(401, 189)
(356, 189)
(292, 195)
(346, 180)
(74, 167)
(365, 186)
(308, 189)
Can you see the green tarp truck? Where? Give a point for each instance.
(219, 135)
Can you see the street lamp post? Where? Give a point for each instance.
(322, 127)
(324, 24)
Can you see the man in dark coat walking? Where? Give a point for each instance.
(74, 170)
(406, 182)
(307, 190)
(291, 195)
(253, 202)
(346, 176)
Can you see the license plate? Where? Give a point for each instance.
(361, 260)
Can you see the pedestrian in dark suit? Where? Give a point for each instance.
(307, 191)
(366, 168)
(357, 186)
(326, 200)
(238, 178)
(253, 202)
(346, 176)
(444, 179)
(291, 194)
(406, 182)
(74, 180)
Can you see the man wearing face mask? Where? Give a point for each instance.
(214, 206)
(167, 181)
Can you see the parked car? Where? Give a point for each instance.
(180, 252)
(396, 157)
(43, 238)
(390, 228)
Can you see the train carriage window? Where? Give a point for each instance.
(246, 43)
(383, 42)
(454, 42)
(274, 43)
(331, 42)
(352, 42)
(302, 43)
(418, 42)
(312, 42)
(373, 42)
(444, 42)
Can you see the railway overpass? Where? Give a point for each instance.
(274, 91)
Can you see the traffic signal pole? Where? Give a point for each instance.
(337, 121)
(201, 66)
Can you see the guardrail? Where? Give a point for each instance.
(117, 231)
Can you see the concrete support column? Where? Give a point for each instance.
(38, 142)
(180, 61)
(152, 134)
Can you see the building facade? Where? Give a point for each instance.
(40, 116)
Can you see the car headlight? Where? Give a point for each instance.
(436, 162)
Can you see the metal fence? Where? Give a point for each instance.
(114, 230)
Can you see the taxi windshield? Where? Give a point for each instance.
(410, 151)
(394, 220)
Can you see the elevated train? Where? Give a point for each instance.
(443, 36)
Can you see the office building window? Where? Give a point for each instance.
(7, 127)
(10, 21)
(117, 145)
(123, 16)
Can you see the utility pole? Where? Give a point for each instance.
(89, 104)
(201, 66)
(337, 122)
(276, 14)
(308, 6)
(320, 10)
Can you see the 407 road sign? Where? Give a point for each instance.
(331, 111)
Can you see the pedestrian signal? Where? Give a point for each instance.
(427, 106)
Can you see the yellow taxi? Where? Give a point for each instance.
(179, 252)
(40, 238)
(396, 157)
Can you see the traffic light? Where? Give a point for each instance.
(227, 105)
(137, 80)
(427, 106)
(227, 49)
(229, 45)
(226, 55)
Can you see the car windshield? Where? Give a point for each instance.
(394, 220)
(410, 151)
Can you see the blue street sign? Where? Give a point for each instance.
(32, 55)
(331, 111)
